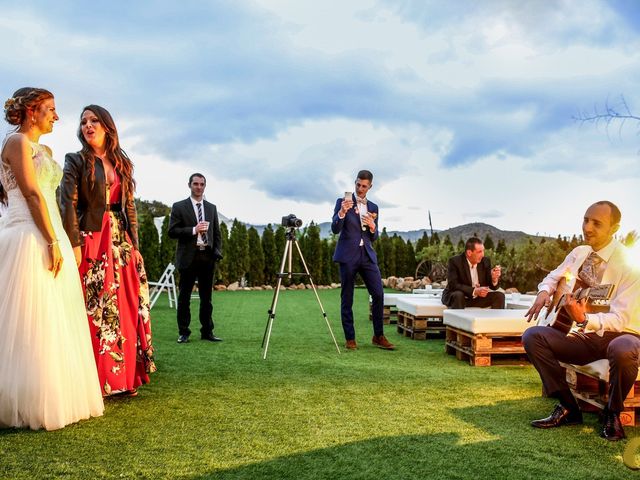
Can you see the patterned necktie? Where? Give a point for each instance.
(201, 219)
(361, 201)
(589, 270)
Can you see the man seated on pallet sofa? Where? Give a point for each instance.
(612, 334)
(471, 282)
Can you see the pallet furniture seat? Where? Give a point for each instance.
(481, 335)
(419, 316)
(590, 385)
(390, 312)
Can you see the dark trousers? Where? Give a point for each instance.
(458, 300)
(201, 269)
(370, 274)
(547, 346)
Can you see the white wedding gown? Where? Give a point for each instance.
(48, 375)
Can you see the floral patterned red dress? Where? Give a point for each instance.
(116, 295)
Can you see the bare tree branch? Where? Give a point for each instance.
(610, 114)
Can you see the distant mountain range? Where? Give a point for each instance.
(455, 234)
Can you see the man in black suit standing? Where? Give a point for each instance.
(471, 282)
(194, 223)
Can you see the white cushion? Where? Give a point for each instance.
(390, 299)
(487, 320)
(599, 368)
(419, 306)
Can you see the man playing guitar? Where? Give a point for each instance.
(612, 333)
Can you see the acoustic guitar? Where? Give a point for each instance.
(597, 300)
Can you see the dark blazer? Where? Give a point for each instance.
(82, 201)
(350, 230)
(181, 224)
(459, 276)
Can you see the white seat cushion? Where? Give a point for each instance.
(487, 320)
(599, 368)
(390, 299)
(419, 306)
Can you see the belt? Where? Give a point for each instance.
(113, 207)
(202, 247)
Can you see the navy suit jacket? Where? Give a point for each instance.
(459, 276)
(350, 230)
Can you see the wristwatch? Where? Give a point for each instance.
(584, 322)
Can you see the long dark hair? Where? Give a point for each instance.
(15, 112)
(122, 163)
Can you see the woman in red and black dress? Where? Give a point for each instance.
(100, 218)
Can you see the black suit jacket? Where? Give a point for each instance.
(181, 224)
(459, 277)
(82, 200)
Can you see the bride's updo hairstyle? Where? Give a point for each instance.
(15, 108)
(15, 112)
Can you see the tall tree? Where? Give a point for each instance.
(400, 255)
(167, 245)
(488, 242)
(149, 246)
(423, 242)
(313, 250)
(222, 269)
(238, 251)
(271, 257)
(410, 259)
(255, 273)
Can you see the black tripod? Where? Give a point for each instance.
(286, 257)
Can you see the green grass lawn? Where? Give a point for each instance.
(221, 411)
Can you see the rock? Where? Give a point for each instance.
(220, 288)
(392, 282)
(511, 290)
(233, 287)
(268, 287)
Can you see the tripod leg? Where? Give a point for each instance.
(315, 291)
(274, 303)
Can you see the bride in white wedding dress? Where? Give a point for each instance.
(48, 375)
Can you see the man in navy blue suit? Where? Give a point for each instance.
(356, 220)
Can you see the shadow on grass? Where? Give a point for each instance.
(452, 456)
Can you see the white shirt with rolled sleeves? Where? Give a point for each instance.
(616, 269)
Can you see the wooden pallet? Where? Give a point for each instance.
(480, 349)
(419, 327)
(389, 314)
(592, 394)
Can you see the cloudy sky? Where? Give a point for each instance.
(462, 108)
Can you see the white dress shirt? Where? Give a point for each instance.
(200, 240)
(617, 269)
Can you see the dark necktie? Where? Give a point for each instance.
(201, 219)
(588, 273)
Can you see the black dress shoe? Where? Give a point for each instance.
(559, 417)
(183, 339)
(211, 338)
(612, 427)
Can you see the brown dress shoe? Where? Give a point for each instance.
(382, 342)
(351, 345)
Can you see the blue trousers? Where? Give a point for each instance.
(370, 274)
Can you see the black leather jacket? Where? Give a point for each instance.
(82, 202)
